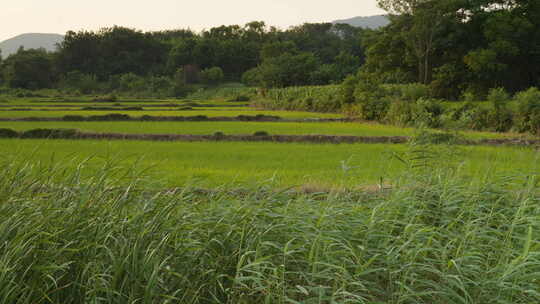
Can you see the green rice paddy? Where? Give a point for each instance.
(211, 164)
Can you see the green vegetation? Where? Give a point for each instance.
(318, 99)
(209, 113)
(215, 163)
(207, 128)
(434, 239)
(128, 62)
(125, 221)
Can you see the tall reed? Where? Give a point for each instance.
(112, 238)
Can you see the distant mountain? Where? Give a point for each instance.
(30, 41)
(372, 22)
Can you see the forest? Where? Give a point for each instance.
(454, 46)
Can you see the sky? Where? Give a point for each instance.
(59, 16)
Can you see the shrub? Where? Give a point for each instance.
(261, 133)
(8, 133)
(372, 97)
(219, 134)
(106, 98)
(183, 90)
(528, 111)
(498, 97)
(315, 98)
(84, 83)
(212, 75)
(374, 109)
(399, 113)
(480, 118)
(131, 83)
(426, 112)
(500, 118)
(409, 91)
(346, 90)
(197, 118)
(469, 96)
(73, 118)
(252, 77)
(240, 98)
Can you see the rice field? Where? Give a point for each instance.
(212, 164)
(236, 128)
(125, 221)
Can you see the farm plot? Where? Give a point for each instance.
(234, 128)
(315, 165)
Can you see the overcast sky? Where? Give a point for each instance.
(59, 16)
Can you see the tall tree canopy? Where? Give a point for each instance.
(458, 45)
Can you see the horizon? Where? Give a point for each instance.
(62, 15)
(178, 28)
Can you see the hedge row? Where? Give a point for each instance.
(126, 117)
(423, 138)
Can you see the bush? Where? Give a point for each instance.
(480, 118)
(316, 99)
(212, 75)
(528, 111)
(252, 77)
(426, 112)
(73, 118)
(240, 98)
(131, 83)
(374, 109)
(261, 133)
(500, 118)
(197, 118)
(346, 90)
(399, 113)
(84, 83)
(219, 134)
(8, 133)
(105, 98)
(498, 97)
(409, 91)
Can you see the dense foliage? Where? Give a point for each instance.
(433, 239)
(120, 58)
(458, 46)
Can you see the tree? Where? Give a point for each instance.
(288, 70)
(212, 76)
(426, 17)
(29, 69)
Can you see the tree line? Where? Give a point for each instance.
(309, 54)
(454, 47)
(457, 46)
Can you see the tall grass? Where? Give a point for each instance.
(113, 238)
(313, 98)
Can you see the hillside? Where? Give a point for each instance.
(372, 22)
(30, 41)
